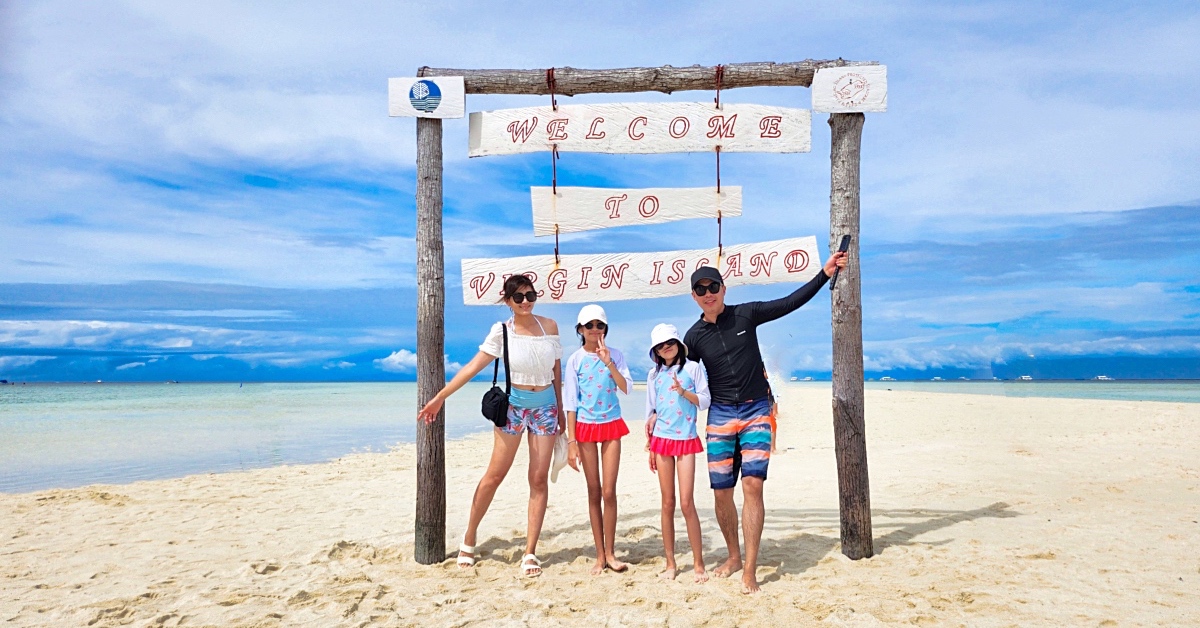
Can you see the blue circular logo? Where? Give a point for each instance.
(425, 96)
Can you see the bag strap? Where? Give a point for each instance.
(507, 371)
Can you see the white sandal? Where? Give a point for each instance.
(531, 569)
(466, 561)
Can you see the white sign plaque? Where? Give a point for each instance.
(669, 127)
(428, 97)
(618, 276)
(850, 89)
(582, 209)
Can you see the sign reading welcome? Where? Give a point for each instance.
(618, 276)
(641, 128)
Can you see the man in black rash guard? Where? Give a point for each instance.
(725, 340)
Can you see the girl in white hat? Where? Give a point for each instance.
(593, 376)
(676, 390)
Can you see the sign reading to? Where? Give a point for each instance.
(582, 209)
(850, 89)
(617, 276)
(642, 128)
(433, 97)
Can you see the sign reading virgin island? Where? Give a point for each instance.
(642, 128)
(619, 276)
(574, 209)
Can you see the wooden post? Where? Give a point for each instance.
(849, 432)
(430, 544)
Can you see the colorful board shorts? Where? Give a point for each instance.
(739, 439)
(540, 418)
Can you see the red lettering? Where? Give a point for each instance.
(769, 126)
(796, 261)
(762, 263)
(557, 129)
(613, 205)
(637, 135)
(594, 134)
(650, 202)
(676, 271)
(703, 262)
(672, 128)
(522, 130)
(721, 128)
(734, 268)
(613, 275)
(480, 286)
(557, 280)
(584, 277)
(655, 280)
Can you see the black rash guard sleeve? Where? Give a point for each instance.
(766, 311)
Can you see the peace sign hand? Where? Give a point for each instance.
(676, 387)
(603, 353)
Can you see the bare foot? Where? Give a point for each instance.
(598, 568)
(749, 583)
(727, 568)
(617, 565)
(701, 575)
(669, 573)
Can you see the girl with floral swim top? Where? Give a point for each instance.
(676, 390)
(594, 374)
(534, 359)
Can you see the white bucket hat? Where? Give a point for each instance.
(663, 332)
(592, 312)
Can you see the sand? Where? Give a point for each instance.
(987, 511)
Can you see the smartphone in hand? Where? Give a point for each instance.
(842, 248)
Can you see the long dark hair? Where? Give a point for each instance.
(513, 285)
(679, 360)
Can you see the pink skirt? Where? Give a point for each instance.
(600, 432)
(672, 447)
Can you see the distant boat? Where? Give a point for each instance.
(808, 379)
(793, 379)
(1025, 378)
(936, 379)
(965, 379)
(887, 379)
(1103, 378)
(99, 381)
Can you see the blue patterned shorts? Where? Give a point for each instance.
(541, 421)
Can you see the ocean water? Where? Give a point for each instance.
(61, 436)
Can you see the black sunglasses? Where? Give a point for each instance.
(711, 288)
(521, 297)
(597, 325)
(666, 343)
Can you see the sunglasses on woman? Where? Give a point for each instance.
(521, 297)
(596, 325)
(711, 288)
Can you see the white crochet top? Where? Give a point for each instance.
(530, 357)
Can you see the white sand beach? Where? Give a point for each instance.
(987, 511)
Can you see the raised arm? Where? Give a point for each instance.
(766, 311)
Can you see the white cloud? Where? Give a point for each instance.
(131, 365)
(405, 361)
(18, 361)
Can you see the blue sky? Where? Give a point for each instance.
(214, 190)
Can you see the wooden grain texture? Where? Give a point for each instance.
(632, 127)
(850, 444)
(574, 209)
(430, 541)
(667, 79)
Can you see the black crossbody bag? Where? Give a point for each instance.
(495, 401)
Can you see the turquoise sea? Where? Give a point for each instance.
(67, 435)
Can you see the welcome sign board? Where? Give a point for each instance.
(618, 276)
(641, 128)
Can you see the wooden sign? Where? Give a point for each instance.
(617, 276)
(850, 89)
(582, 209)
(642, 128)
(433, 97)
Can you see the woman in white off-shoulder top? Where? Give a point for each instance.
(534, 355)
